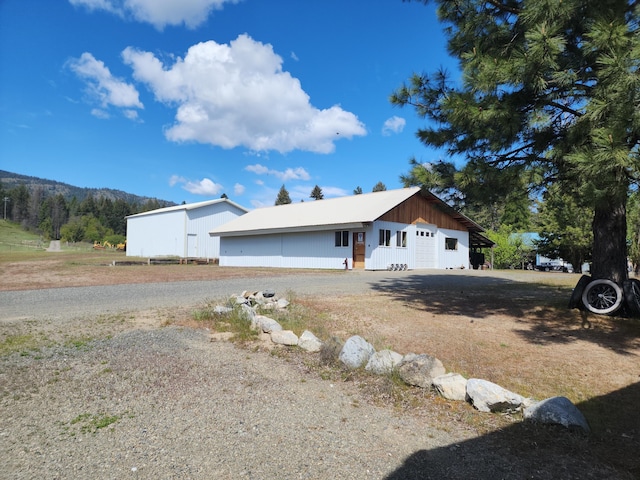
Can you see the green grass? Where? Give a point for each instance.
(20, 343)
(14, 239)
(91, 423)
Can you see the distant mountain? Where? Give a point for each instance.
(11, 180)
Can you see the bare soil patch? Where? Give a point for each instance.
(515, 330)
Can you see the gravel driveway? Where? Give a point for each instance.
(106, 398)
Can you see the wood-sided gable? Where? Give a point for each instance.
(424, 209)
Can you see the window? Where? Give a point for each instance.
(342, 238)
(401, 239)
(451, 244)
(385, 238)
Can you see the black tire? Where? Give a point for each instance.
(576, 296)
(631, 290)
(602, 296)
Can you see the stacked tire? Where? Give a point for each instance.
(605, 297)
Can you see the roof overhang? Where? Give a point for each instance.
(301, 229)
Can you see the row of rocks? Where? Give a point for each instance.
(420, 370)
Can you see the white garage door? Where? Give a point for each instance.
(425, 247)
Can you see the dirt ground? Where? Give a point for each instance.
(517, 332)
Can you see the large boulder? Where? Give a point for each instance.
(451, 386)
(489, 397)
(309, 342)
(557, 411)
(284, 337)
(420, 370)
(356, 352)
(383, 362)
(265, 324)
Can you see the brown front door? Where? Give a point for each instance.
(358, 250)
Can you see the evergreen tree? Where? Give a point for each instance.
(357, 190)
(224, 195)
(283, 197)
(316, 193)
(379, 187)
(549, 91)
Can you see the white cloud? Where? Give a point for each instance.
(238, 95)
(238, 189)
(99, 113)
(158, 13)
(202, 187)
(298, 173)
(393, 125)
(105, 89)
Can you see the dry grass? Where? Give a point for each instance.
(514, 330)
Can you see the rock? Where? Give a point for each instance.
(220, 310)
(558, 411)
(383, 362)
(309, 342)
(268, 293)
(356, 352)
(284, 337)
(489, 397)
(266, 324)
(282, 303)
(247, 312)
(419, 370)
(451, 386)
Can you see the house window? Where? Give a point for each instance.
(451, 243)
(342, 238)
(401, 239)
(385, 238)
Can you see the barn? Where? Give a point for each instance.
(406, 228)
(180, 231)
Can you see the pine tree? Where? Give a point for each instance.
(316, 193)
(549, 93)
(379, 187)
(283, 197)
(357, 190)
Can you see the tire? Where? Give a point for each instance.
(602, 296)
(631, 290)
(576, 295)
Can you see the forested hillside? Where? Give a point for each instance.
(60, 211)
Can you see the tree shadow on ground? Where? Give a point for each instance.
(540, 311)
(527, 450)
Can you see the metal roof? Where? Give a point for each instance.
(188, 206)
(342, 212)
(346, 212)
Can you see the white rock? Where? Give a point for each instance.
(356, 352)
(266, 324)
(558, 411)
(282, 303)
(284, 337)
(451, 386)
(383, 362)
(309, 342)
(489, 397)
(420, 370)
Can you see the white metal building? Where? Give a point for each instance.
(373, 231)
(180, 231)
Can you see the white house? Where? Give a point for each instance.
(180, 231)
(373, 231)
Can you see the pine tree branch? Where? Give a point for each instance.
(504, 8)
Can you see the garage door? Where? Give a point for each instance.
(425, 247)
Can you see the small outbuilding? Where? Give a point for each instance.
(180, 231)
(408, 228)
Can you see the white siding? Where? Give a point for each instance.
(180, 233)
(293, 250)
(380, 257)
(156, 235)
(453, 258)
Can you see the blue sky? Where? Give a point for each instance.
(184, 100)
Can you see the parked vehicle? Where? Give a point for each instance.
(555, 267)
